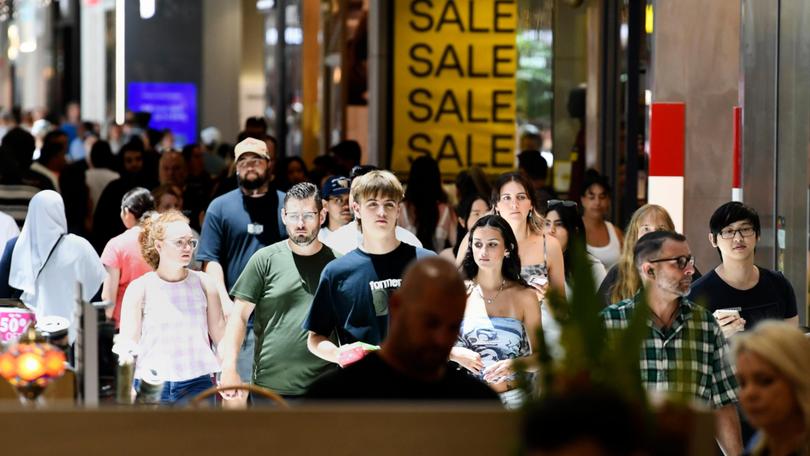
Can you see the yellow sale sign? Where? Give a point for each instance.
(454, 83)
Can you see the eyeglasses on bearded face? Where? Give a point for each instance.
(681, 261)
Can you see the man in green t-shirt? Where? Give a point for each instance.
(278, 284)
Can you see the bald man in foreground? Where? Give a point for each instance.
(425, 315)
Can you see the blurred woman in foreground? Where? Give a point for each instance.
(773, 361)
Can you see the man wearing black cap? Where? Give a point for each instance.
(335, 193)
(239, 223)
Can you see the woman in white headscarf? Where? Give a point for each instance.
(47, 262)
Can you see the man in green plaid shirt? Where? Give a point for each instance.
(681, 334)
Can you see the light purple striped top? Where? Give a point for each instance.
(174, 343)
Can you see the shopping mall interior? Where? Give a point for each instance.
(686, 105)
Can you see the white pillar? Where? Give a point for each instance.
(93, 62)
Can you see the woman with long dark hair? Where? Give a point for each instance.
(425, 211)
(502, 317)
(563, 223)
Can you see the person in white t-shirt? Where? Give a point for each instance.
(335, 194)
(348, 237)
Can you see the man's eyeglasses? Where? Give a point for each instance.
(183, 243)
(295, 217)
(564, 203)
(729, 233)
(682, 261)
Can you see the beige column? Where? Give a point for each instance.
(696, 60)
(222, 60)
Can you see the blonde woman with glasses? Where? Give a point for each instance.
(170, 315)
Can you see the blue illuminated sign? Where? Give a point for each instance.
(173, 105)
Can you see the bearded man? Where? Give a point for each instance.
(277, 285)
(238, 224)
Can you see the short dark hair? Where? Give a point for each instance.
(361, 170)
(52, 135)
(256, 123)
(101, 155)
(592, 177)
(348, 150)
(21, 145)
(134, 144)
(533, 163)
(302, 191)
(650, 244)
(731, 212)
(562, 420)
(188, 150)
(50, 147)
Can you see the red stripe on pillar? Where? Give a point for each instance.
(736, 180)
(667, 127)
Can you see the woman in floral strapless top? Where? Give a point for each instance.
(502, 317)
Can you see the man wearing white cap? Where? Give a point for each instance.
(239, 223)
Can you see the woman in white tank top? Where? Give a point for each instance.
(604, 241)
(170, 316)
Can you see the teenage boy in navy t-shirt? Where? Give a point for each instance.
(351, 302)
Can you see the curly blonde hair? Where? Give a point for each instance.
(153, 227)
(628, 280)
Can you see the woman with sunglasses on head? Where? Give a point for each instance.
(168, 315)
(502, 318)
(739, 292)
(622, 280)
(562, 221)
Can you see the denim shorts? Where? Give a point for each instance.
(182, 392)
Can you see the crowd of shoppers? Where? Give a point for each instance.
(323, 282)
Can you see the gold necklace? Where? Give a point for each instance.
(481, 292)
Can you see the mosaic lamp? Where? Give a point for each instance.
(31, 364)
